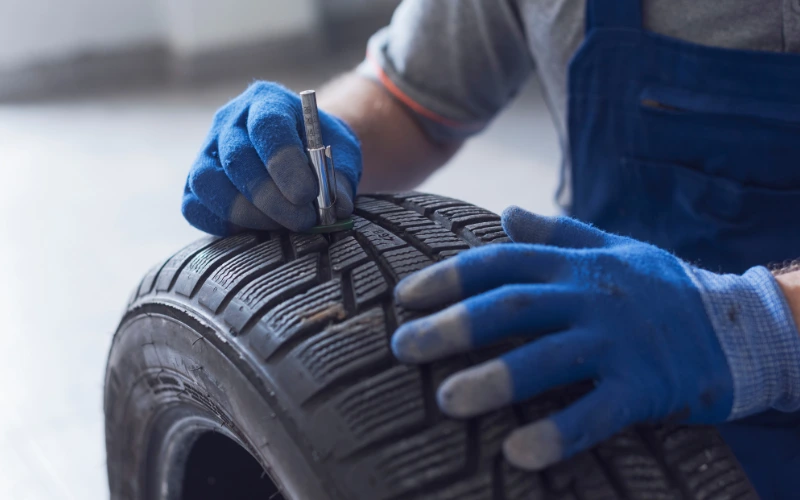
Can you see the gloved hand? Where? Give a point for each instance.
(660, 338)
(253, 171)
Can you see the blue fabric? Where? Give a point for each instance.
(759, 338)
(688, 147)
(253, 171)
(202, 218)
(607, 308)
(694, 149)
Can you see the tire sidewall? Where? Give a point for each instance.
(158, 363)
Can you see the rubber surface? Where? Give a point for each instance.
(305, 321)
(339, 225)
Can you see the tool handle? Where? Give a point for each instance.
(321, 159)
(311, 119)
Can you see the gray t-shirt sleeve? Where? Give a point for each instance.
(453, 63)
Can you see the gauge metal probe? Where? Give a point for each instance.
(321, 159)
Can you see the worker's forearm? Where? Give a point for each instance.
(396, 153)
(790, 285)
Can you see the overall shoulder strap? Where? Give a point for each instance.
(613, 14)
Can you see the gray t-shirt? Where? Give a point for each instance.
(456, 63)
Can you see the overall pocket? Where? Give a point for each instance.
(753, 142)
(715, 222)
(661, 98)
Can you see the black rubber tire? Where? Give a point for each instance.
(280, 342)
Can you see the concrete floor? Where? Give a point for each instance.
(90, 194)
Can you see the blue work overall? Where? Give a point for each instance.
(696, 150)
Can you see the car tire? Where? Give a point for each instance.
(259, 366)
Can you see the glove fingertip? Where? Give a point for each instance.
(344, 199)
(203, 219)
(302, 193)
(535, 446)
(437, 284)
(404, 345)
(290, 170)
(523, 226)
(512, 212)
(476, 390)
(433, 337)
(301, 221)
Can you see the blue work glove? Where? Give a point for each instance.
(661, 339)
(253, 171)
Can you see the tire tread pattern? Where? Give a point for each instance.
(318, 313)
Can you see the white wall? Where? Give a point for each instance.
(197, 25)
(33, 30)
(42, 30)
(345, 7)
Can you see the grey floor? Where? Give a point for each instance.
(90, 194)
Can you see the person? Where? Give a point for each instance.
(680, 125)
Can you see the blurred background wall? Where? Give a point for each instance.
(35, 31)
(104, 105)
(64, 46)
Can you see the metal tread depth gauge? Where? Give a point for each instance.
(321, 158)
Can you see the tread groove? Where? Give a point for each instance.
(286, 244)
(473, 453)
(613, 478)
(285, 331)
(348, 294)
(339, 385)
(177, 262)
(317, 314)
(214, 259)
(239, 286)
(408, 241)
(151, 282)
(654, 446)
(498, 488)
(238, 272)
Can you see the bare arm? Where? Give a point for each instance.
(418, 95)
(790, 285)
(396, 152)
